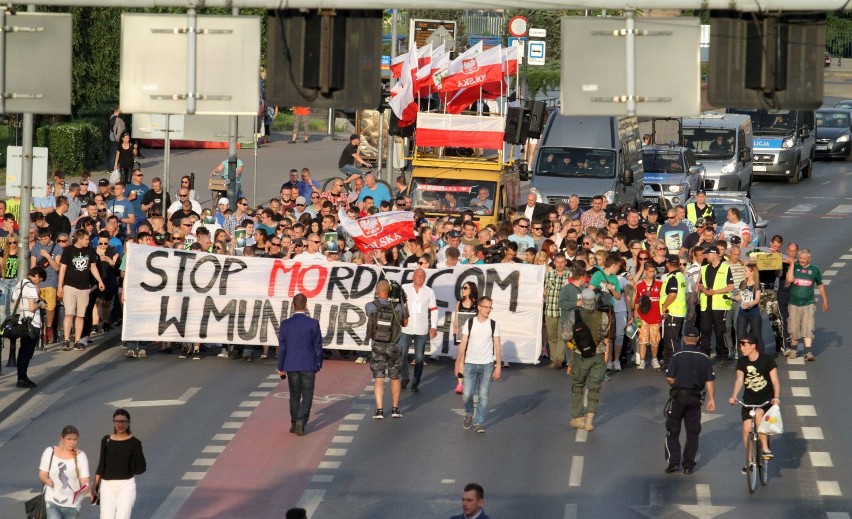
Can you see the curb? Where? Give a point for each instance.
(25, 395)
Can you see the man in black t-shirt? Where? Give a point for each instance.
(758, 373)
(633, 229)
(349, 158)
(78, 263)
(56, 220)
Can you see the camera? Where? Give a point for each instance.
(396, 295)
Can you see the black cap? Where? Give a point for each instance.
(701, 192)
(103, 182)
(691, 331)
(453, 234)
(653, 210)
(651, 228)
(735, 240)
(750, 338)
(622, 216)
(609, 215)
(711, 250)
(673, 259)
(710, 220)
(648, 204)
(354, 136)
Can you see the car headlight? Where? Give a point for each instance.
(842, 138)
(675, 188)
(789, 142)
(728, 168)
(609, 196)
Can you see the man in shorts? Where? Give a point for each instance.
(802, 278)
(46, 254)
(77, 263)
(383, 331)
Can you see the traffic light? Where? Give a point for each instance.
(384, 101)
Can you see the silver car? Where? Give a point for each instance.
(724, 200)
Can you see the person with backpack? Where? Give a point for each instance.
(116, 127)
(479, 361)
(586, 328)
(608, 288)
(385, 320)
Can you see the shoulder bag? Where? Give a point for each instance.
(36, 507)
(14, 327)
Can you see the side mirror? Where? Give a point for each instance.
(805, 133)
(745, 155)
(761, 224)
(627, 178)
(523, 171)
(696, 170)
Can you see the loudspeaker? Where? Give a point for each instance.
(517, 125)
(324, 61)
(395, 130)
(537, 111)
(768, 62)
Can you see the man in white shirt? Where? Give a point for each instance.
(312, 252)
(480, 360)
(422, 325)
(183, 194)
(736, 227)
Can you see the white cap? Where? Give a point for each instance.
(223, 200)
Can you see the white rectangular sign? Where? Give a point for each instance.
(201, 297)
(537, 52)
(14, 158)
(538, 33)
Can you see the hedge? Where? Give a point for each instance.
(73, 146)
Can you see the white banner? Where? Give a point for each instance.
(187, 296)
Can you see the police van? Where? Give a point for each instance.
(723, 144)
(784, 144)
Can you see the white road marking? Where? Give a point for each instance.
(342, 439)
(830, 273)
(570, 511)
(797, 360)
(838, 264)
(798, 375)
(821, 459)
(232, 425)
(704, 509)
(575, 477)
(801, 208)
(129, 402)
(240, 414)
(837, 515)
(204, 462)
(826, 281)
(581, 436)
(311, 500)
(273, 376)
(250, 403)
(802, 392)
(846, 257)
(370, 388)
(258, 394)
(829, 488)
(322, 478)
(268, 384)
(841, 209)
(329, 465)
(348, 427)
(336, 452)
(805, 410)
(194, 476)
(172, 503)
(447, 481)
(354, 416)
(225, 437)
(812, 433)
(213, 449)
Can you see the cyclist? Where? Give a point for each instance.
(349, 157)
(757, 372)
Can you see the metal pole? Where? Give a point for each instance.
(525, 90)
(167, 151)
(232, 149)
(331, 123)
(254, 183)
(3, 14)
(381, 142)
(192, 45)
(391, 140)
(26, 189)
(630, 40)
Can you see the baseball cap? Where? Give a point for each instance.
(223, 200)
(735, 240)
(103, 182)
(701, 192)
(588, 295)
(653, 210)
(300, 200)
(453, 234)
(622, 216)
(711, 250)
(691, 331)
(652, 229)
(609, 215)
(648, 204)
(673, 259)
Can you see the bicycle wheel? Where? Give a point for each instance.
(751, 473)
(763, 465)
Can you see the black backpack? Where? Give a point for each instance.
(383, 324)
(584, 341)
(645, 304)
(603, 300)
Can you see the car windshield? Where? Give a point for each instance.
(575, 163)
(832, 119)
(770, 121)
(713, 143)
(443, 195)
(720, 212)
(659, 161)
(844, 104)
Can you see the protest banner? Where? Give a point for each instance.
(187, 296)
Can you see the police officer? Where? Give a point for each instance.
(672, 306)
(715, 284)
(700, 208)
(689, 373)
(385, 320)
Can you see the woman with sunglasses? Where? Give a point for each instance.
(749, 319)
(9, 271)
(120, 461)
(642, 257)
(465, 310)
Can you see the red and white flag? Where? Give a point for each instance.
(403, 104)
(465, 97)
(440, 64)
(485, 67)
(465, 131)
(511, 58)
(380, 231)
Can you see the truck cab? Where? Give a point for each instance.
(723, 143)
(671, 175)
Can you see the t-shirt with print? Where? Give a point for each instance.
(673, 236)
(758, 385)
(64, 474)
(805, 279)
(653, 290)
(740, 229)
(52, 280)
(480, 342)
(77, 262)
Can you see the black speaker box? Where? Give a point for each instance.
(537, 118)
(517, 125)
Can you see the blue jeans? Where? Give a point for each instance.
(55, 511)
(477, 377)
(6, 287)
(301, 384)
(351, 169)
(405, 340)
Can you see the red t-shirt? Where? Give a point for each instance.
(653, 291)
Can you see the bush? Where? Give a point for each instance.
(73, 146)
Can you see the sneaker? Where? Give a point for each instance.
(79, 346)
(183, 353)
(790, 353)
(223, 354)
(130, 354)
(468, 422)
(744, 470)
(65, 346)
(767, 455)
(617, 365)
(809, 357)
(196, 355)
(380, 414)
(637, 359)
(655, 364)
(641, 365)
(480, 429)
(361, 360)
(26, 384)
(609, 366)
(396, 413)
(142, 354)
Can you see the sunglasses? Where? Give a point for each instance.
(242, 204)
(182, 196)
(315, 241)
(744, 342)
(177, 237)
(523, 226)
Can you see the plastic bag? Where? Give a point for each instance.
(114, 177)
(771, 423)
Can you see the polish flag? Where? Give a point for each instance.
(466, 131)
(423, 76)
(440, 64)
(511, 58)
(396, 64)
(483, 68)
(403, 104)
(380, 231)
(465, 97)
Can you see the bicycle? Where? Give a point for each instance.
(757, 466)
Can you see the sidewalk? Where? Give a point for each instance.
(46, 367)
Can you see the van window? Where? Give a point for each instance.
(656, 161)
(710, 143)
(575, 163)
(453, 195)
(770, 121)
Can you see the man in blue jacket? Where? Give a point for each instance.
(472, 500)
(300, 357)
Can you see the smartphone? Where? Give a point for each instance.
(283, 376)
(460, 375)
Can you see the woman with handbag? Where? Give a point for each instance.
(64, 471)
(124, 158)
(26, 293)
(121, 460)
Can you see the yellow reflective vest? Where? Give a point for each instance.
(678, 306)
(720, 301)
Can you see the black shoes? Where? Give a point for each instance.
(415, 388)
(404, 383)
(688, 472)
(671, 468)
(299, 428)
(27, 384)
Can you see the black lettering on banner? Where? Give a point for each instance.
(446, 331)
(183, 255)
(198, 264)
(247, 335)
(407, 276)
(335, 280)
(360, 273)
(269, 317)
(346, 327)
(511, 282)
(164, 278)
(227, 271)
(475, 272)
(328, 336)
(178, 322)
(229, 312)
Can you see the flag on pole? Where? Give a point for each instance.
(466, 131)
(403, 103)
(486, 67)
(380, 231)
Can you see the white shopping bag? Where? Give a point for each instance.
(771, 423)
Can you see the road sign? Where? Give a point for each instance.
(487, 41)
(433, 31)
(537, 52)
(538, 33)
(518, 26)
